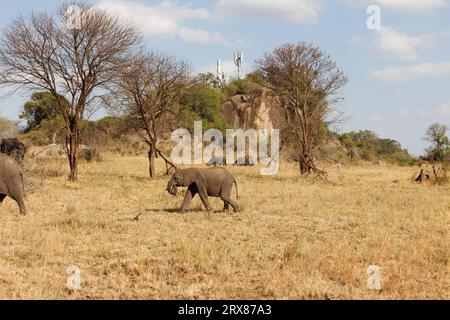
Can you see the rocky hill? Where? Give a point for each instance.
(262, 111)
(258, 112)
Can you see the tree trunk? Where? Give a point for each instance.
(151, 161)
(72, 154)
(169, 164)
(306, 165)
(423, 176)
(305, 168)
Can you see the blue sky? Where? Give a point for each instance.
(399, 75)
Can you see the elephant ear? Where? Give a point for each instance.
(199, 179)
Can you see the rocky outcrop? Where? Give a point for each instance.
(258, 112)
(52, 151)
(56, 151)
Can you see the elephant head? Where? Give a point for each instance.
(173, 183)
(184, 178)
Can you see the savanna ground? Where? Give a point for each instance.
(294, 239)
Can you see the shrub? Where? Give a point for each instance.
(202, 103)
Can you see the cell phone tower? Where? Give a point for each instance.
(219, 73)
(220, 76)
(238, 58)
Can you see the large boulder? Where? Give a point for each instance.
(56, 151)
(258, 112)
(14, 148)
(52, 151)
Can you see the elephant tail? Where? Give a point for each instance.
(237, 192)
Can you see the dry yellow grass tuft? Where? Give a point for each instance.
(294, 239)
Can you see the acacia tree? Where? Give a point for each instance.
(147, 95)
(440, 149)
(438, 154)
(42, 106)
(72, 54)
(306, 82)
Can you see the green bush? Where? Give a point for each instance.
(202, 103)
(252, 84)
(370, 147)
(40, 107)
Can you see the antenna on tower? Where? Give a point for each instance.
(220, 76)
(238, 58)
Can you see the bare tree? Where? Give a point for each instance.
(306, 82)
(71, 53)
(147, 94)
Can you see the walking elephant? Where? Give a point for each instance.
(11, 182)
(211, 182)
(245, 161)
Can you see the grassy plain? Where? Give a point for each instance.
(294, 239)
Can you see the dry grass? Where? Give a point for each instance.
(294, 239)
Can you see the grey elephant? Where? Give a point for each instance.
(216, 161)
(211, 182)
(11, 182)
(245, 161)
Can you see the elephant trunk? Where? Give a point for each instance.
(172, 187)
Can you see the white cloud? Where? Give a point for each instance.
(399, 74)
(444, 109)
(400, 45)
(165, 18)
(416, 5)
(404, 46)
(198, 35)
(293, 11)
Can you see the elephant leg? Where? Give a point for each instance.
(22, 206)
(21, 203)
(226, 198)
(17, 195)
(190, 194)
(225, 195)
(204, 197)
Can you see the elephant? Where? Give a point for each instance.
(216, 161)
(212, 182)
(11, 182)
(245, 161)
(14, 148)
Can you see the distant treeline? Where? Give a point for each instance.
(201, 101)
